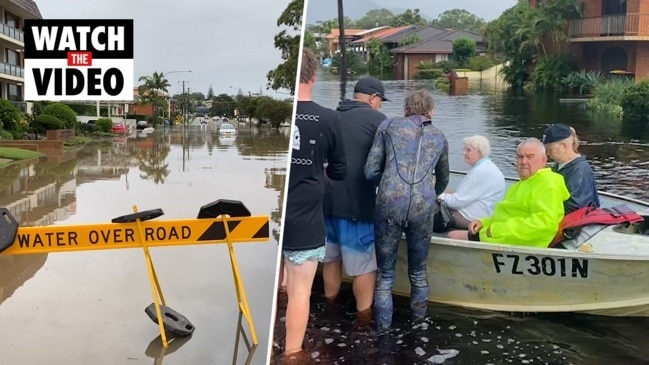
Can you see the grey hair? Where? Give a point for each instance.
(479, 143)
(419, 102)
(532, 141)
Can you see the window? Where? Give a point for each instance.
(12, 57)
(14, 92)
(11, 20)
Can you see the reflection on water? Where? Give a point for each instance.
(87, 307)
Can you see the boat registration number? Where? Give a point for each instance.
(540, 265)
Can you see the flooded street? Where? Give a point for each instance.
(88, 307)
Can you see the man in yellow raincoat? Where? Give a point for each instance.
(532, 209)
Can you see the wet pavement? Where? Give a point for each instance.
(88, 307)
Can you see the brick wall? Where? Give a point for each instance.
(46, 147)
(642, 61)
(593, 8)
(60, 134)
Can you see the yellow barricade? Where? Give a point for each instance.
(30, 240)
(138, 233)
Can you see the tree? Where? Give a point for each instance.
(375, 18)
(223, 104)
(459, 19)
(198, 97)
(409, 17)
(283, 77)
(520, 34)
(309, 40)
(273, 111)
(248, 106)
(152, 91)
(63, 112)
(506, 41)
(380, 59)
(210, 93)
(463, 50)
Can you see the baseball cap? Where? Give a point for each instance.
(370, 85)
(555, 132)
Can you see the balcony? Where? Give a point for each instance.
(12, 32)
(619, 26)
(12, 70)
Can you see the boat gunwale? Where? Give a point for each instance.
(436, 239)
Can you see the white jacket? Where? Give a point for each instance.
(478, 192)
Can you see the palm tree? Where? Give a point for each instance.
(152, 91)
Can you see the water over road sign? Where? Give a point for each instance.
(64, 238)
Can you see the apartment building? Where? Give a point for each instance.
(612, 35)
(12, 45)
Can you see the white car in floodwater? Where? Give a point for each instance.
(227, 129)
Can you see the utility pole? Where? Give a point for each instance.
(189, 105)
(343, 50)
(184, 101)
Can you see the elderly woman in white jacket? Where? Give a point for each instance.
(482, 187)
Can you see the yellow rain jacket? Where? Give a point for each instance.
(530, 213)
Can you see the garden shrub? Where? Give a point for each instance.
(550, 70)
(429, 74)
(583, 82)
(635, 103)
(5, 135)
(45, 122)
(480, 63)
(607, 96)
(105, 124)
(443, 84)
(445, 66)
(9, 116)
(48, 122)
(62, 112)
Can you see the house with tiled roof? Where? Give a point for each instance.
(435, 45)
(333, 38)
(360, 45)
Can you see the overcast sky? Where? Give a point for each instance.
(328, 9)
(223, 43)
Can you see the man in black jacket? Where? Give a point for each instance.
(316, 140)
(349, 204)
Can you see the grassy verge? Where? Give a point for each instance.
(12, 153)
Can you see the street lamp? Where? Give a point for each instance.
(164, 74)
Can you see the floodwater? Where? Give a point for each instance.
(619, 154)
(88, 307)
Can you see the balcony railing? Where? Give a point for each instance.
(12, 32)
(12, 70)
(20, 105)
(610, 25)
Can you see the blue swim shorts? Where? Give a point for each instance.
(300, 257)
(351, 242)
